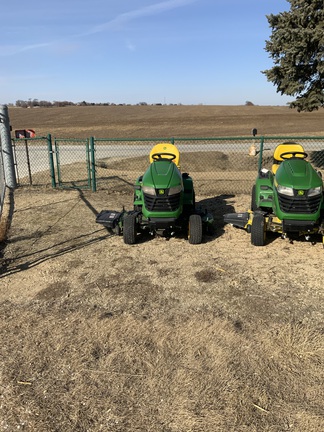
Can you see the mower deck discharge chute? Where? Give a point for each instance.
(164, 202)
(288, 199)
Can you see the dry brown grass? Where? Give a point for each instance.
(69, 366)
(161, 336)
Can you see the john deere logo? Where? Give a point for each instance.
(301, 192)
(161, 191)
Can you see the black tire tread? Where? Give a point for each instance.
(129, 229)
(258, 230)
(195, 229)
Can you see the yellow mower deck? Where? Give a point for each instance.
(271, 223)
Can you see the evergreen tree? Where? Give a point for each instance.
(296, 46)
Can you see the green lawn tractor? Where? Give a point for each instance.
(288, 199)
(164, 202)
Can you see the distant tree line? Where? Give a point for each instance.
(33, 103)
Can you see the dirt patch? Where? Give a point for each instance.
(191, 161)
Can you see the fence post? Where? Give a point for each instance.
(88, 163)
(7, 152)
(93, 164)
(260, 153)
(58, 162)
(51, 159)
(28, 163)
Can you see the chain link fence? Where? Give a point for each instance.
(72, 163)
(217, 165)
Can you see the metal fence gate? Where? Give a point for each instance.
(31, 157)
(60, 162)
(72, 161)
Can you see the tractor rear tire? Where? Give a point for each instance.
(258, 233)
(195, 229)
(129, 229)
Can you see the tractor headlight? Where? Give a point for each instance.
(175, 190)
(285, 190)
(315, 191)
(149, 190)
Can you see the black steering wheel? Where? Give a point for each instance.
(159, 156)
(293, 154)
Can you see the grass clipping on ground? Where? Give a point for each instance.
(68, 367)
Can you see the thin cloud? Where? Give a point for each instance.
(122, 19)
(8, 50)
(115, 24)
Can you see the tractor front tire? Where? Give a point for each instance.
(258, 233)
(129, 229)
(195, 229)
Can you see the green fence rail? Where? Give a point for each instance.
(219, 165)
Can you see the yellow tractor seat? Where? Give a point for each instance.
(285, 148)
(169, 150)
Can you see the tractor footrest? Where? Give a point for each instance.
(109, 218)
(162, 223)
(237, 219)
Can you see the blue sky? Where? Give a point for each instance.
(207, 52)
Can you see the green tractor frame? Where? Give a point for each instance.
(164, 202)
(288, 199)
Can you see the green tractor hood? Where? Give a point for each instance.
(161, 191)
(298, 193)
(162, 175)
(298, 174)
